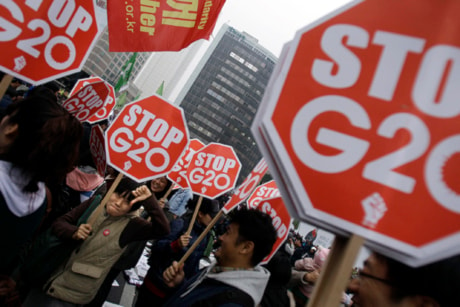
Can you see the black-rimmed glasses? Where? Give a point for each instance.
(365, 275)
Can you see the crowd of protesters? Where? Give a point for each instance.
(49, 190)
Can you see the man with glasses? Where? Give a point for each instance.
(387, 282)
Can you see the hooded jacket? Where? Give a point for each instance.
(20, 213)
(252, 282)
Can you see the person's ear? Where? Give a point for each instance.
(11, 129)
(247, 247)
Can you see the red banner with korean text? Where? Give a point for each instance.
(162, 25)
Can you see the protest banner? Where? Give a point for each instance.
(163, 25)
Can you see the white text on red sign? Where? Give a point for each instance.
(86, 100)
(60, 14)
(153, 130)
(281, 229)
(212, 170)
(263, 193)
(435, 93)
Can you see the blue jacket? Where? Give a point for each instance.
(166, 250)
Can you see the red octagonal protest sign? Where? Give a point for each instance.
(213, 170)
(281, 221)
(87, 101)
(263, 191)
(45, 40)
(104, 112)
(179, 171)
(97, 148)
(365, 120)
(147, 138)
(247, 187)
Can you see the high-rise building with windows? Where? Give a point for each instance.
(221, 97)
(107, 65)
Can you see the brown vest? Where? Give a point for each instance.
(79, 280)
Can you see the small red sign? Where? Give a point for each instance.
(281, 221)
(109, 103)
(213, 170)
(87, 101)
(96, 143)
(263, 191)
(147, 138)
(247, 187)
(179, 171)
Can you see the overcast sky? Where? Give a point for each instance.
(273, 22)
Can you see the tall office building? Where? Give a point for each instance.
(221, 98)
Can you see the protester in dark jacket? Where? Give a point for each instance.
(38, 144)
(153, 291)
(236, 279)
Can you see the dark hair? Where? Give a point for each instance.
(280, 269)
(160, 194)
(124, 189)
(209, 206)
(439, 280)
(46, 144)
(257, 227)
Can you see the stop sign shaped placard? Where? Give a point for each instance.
(97, 148)
(87, 101)
(147, 138)
(45, 40)
(247, 187)
(365, 122)
(263, 191)
(109, 104)
(179, 171)
(213, 170)
(281, 221)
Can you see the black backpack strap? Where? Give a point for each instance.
(227, 294)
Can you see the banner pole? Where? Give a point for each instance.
(168, 191)
(201, 237)
(336, 273)
(101, 206)
(6, 80)
(195, 213)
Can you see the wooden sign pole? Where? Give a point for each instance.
(201, 237)
(101, 206)
(168, 191)
(195, 213)
(6, 80)
(335, 275)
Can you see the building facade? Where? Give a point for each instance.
(108, 65)
(221, 98)
(170, 68)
